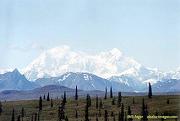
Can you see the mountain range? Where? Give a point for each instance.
(85, 81)
(62, 66)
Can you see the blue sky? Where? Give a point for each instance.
(147, 30)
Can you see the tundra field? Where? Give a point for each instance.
(74, 110)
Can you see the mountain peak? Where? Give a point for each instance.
(16, 71)
(59, 60)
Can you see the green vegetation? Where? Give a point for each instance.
(93, 108)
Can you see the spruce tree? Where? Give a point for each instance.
(32, 118)
(66, 118)
(100, 104)
(113, 101)
(97, 102)
(114, 118)
(19, 118)
(111, 92)
(167, 101)
(122, 112)
(64, 98)
(40, 103)
(112, 113)
(99, 112)
(1, 108)
(129, 113)
(87, 110)
(48, 98)
(133, 100)
(105, 115)
(44, 97)
(35, 117)
(13, 115)
(51, 102)
(105, 96)
(144, 111)
(150, 91)
(76, 114)
(88, 100)
(61, 113)
(97, 118)
(76, 94)
(22, 112)
(119, 99)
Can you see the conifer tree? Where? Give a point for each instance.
(35, 117)
(97, 102)
(150, 91)
(119, 99)
(113, 101)
(122, 112)
(87, 110)
(61, 113)
(1, 108)
(144, 111)
(114, 118)
(13, 115)
(133, 100)
(76, 114)
(167, 101)
(66, 118)
(105, 115)
(111, 92)
(129, 113)
(100, 104)
(112, 113)
(19, 118)
(64, 98)
(22, 112)
(97, 118)
(51, 102)
(44, 97)
(76, 94)
(99, 112)
(105, 96)
(48, 98)
(32, 118)
(88, 100)
(40, 103)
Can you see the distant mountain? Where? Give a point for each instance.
(167, 85)
(57, 91)
(59, 60)
(15, 81)
(85, 81)
(127, 82)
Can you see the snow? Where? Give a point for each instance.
(2, 70)
(59, 60)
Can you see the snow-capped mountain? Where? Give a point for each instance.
(61, 65)
(138, 78)
(57, 61)
(15, 81)
(85, 81)
(112, 65)
(167, 85)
